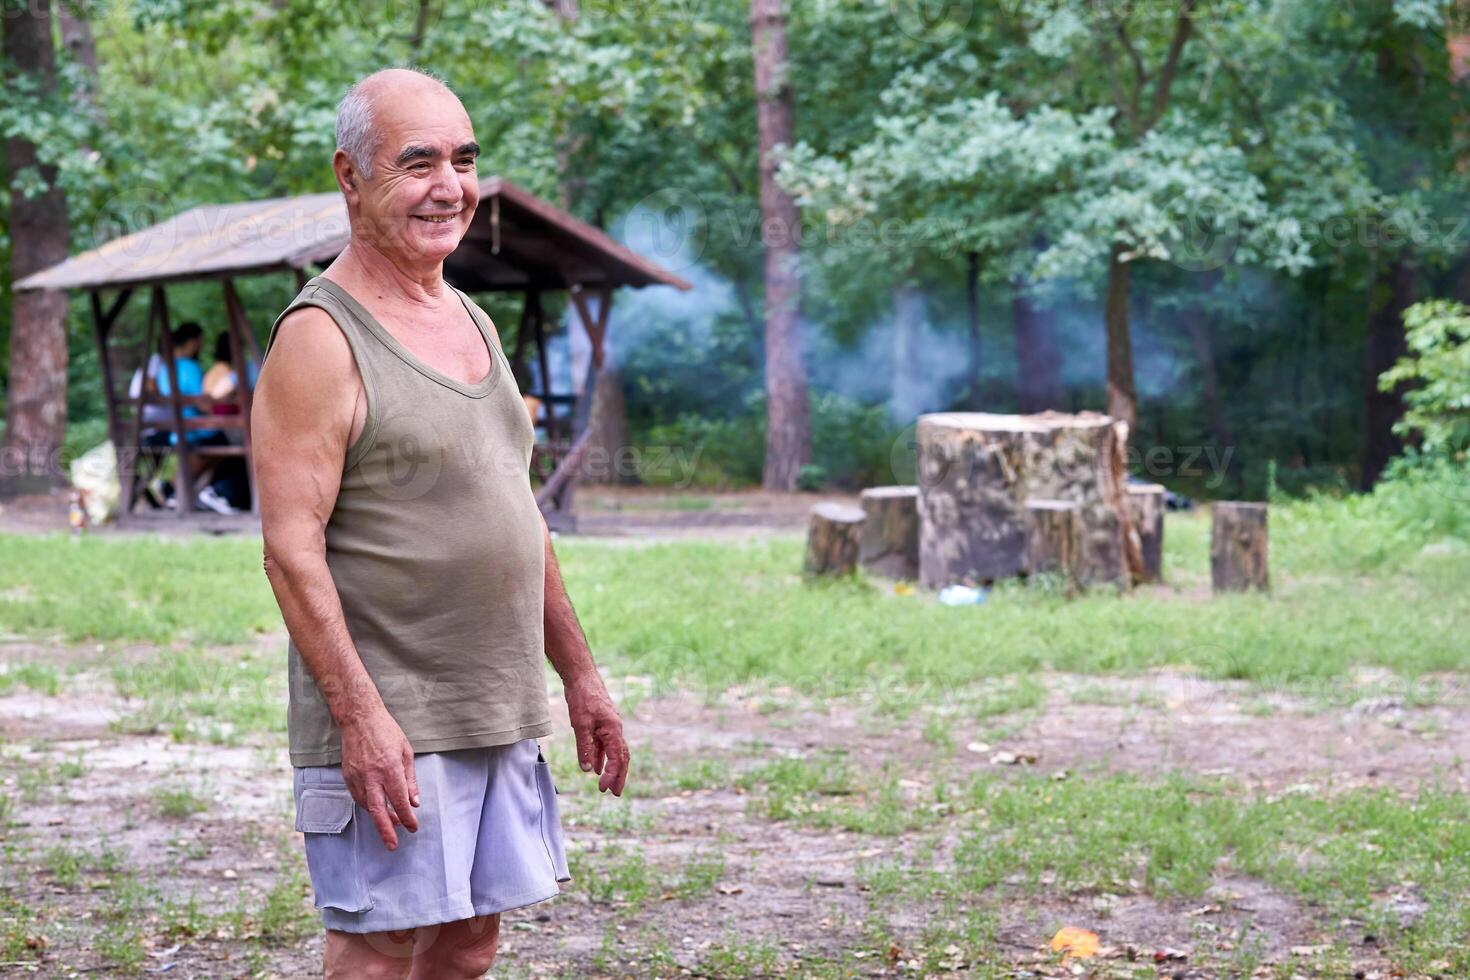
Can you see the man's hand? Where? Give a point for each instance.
(377, 764)
(600, 744)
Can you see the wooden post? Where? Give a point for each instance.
(833, 539)
(529, 305)
(135, 444)
(184, 492)
(596, 327)
(1239, 558)
(1054, 539)
(890, 539)
(238, 328)
(551, 423)
(1147, 501)
(102, 324)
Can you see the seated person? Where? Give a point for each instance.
(188, 339)
(222, 380)
(221, 383)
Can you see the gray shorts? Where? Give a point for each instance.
(489, 839)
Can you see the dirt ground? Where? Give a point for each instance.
(796, 892)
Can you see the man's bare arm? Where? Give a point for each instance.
(601, 747)
(302, 421)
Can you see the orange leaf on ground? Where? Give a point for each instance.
(1075, 942)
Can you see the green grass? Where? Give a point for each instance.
(148, 589)
(1372, 581)
(42, 678)
(1364, 580)
(615, 874)
(742, 614)
(178, 802)
(204, 695)
(1343, 854)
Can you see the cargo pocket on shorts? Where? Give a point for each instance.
(551, 819)
(324, 814)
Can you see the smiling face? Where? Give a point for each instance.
(423, 191)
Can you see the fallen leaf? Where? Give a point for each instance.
(1072, 941)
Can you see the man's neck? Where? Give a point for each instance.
(364, 266)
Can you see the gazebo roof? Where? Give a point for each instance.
(516, 241)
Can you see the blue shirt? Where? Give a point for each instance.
(191, 382)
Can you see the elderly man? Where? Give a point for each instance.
(414, 571)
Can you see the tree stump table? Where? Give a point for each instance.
(833, 539)
(1147, 501)
(1239, 557)
(890, 539)
(976, 472)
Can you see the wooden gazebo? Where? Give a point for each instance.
(516, 243)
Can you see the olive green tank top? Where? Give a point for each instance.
(436, 549)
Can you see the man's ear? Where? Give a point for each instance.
(347, 173)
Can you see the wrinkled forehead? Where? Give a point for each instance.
(430, 118)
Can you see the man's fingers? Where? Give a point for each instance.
(616, 772)
(624, 758)
(396, 788)
(411, 776)
(379, 812)
(584, 746)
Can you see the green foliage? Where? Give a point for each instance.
(810, 478)
(1299, 147)
(852, 445)
(1437, 370)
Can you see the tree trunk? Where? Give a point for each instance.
(788, 413)
(39, 236)
(890, 539)
(833, 540)
(1392, 292)
(1122, 398)
(1038, 361)
(608, 421)
(1239, 557)
(76, 38)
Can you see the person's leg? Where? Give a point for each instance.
(202, 467)
(369, 956)
(463, 950)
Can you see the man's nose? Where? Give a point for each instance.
(446, 189)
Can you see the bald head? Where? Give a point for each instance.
(360, 128)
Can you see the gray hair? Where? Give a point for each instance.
(358, 135)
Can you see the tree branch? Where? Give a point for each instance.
(1182, 27)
